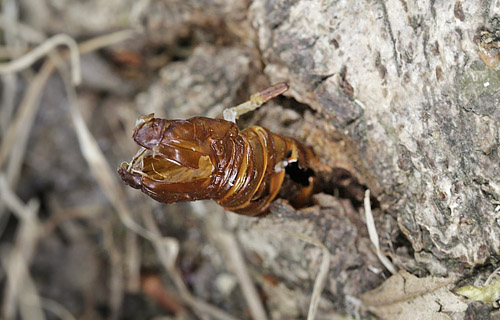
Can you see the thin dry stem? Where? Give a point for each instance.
(116, 279)
(321, 278)
(21, 30)
(64, 215)
(9, 84)
(133, 262)
(16, 35)
(228, 242)
(492, 276)
(28, 300)
(10, 13)
(18, 132)
(167, 250)
(105, 40)
(18, 279)
(20, 128)
(372, 232)
(56, 308)
(43, 49)
(256, 100)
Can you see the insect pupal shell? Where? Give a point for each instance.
(260, 182)
(178, 148)
(203, 158)
(148, 131)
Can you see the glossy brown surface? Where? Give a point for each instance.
(204, 158)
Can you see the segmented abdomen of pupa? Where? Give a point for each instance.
(204, 158)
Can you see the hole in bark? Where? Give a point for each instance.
(402, 241)
(342, 184)
(297, 174)
(291, 103)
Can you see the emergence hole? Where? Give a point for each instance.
(297, 174)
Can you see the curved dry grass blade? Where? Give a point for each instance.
(105, 40)
(26, 295)
(167, 250)
(229, 243)
(372, 232)
(43, 49)
(19, 284)
(26, 114)
(321, 278)
(56, 308)
(116, 286)
(9, 85)
(21, 30)
(492, 276)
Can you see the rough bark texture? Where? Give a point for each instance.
(422, 109)
(396, 96)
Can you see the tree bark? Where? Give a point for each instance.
(405, 82)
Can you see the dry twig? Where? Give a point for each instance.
(372, 232)
(321, 278)
(229, 244)
(21, 31)
(20, 290)
(42, 50)
(56, 308)
(116, 278)
(167, 250)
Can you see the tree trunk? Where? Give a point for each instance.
(421, 108)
